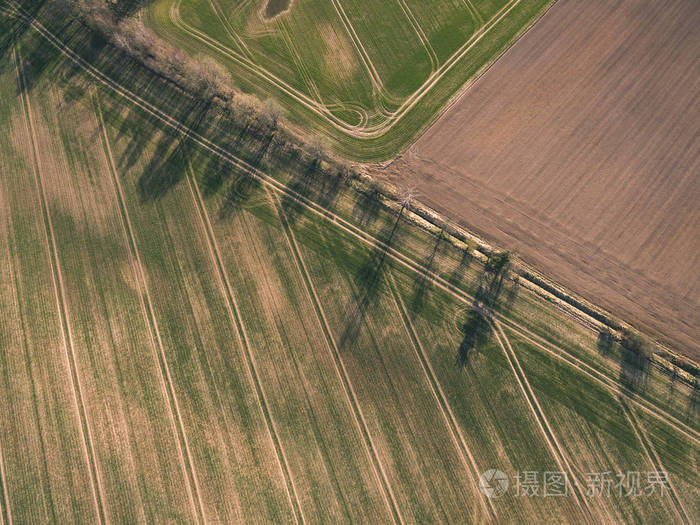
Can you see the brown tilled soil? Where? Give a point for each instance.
(580, 150)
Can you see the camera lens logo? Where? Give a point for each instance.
(493, 483)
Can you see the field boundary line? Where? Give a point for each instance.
(5, 507)
(348, 390)
(61, 303)
(541, 418)
(167, 386)
(330, 216)
(445, 408)
(237, 321)
(655, 460)
(322, 111)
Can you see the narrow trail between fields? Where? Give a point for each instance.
(96, 486)
(353, 230)
(161, 361)
(541, 418)
(655, 461)
(254, 376)
(460, 442)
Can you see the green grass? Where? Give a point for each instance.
(332, 59)
(204, 287)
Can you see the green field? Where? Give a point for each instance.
(368, 74)
(187, 338)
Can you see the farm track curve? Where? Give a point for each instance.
(375, 130)
(353, 230)
(425, 42)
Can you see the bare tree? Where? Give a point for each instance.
(318, 149)
(269, 115)
(406, 197)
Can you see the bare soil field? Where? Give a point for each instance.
(191, 338)
(580, 150)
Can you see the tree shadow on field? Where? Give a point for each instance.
(167, 166)
(634, 371)
(672, 379)
(126, 8)
(423, 283)
(14, 26)
(313, 184)
(369, 279)
(605, 341)
(40, 60)
(367, 207)
(476, 332)
(244, 185)
(491, 280)
(242, 189)
(457, 275)
(693, 409)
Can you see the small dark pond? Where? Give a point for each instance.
(275, 7)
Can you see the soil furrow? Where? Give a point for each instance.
(60, 294)
(167, 387)
(237, 322)
(351, 398)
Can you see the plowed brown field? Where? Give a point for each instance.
(580, 150)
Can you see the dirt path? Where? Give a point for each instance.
(579, 150)
(473, 11)
(340, 222)
(5, 512)
(160, 358)
(60, 295)
(432, 55)
(392, 118)
(542, 421)
(473, 471)
(376, 80)
(254, 375)
(348, 390)
(655, 461)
